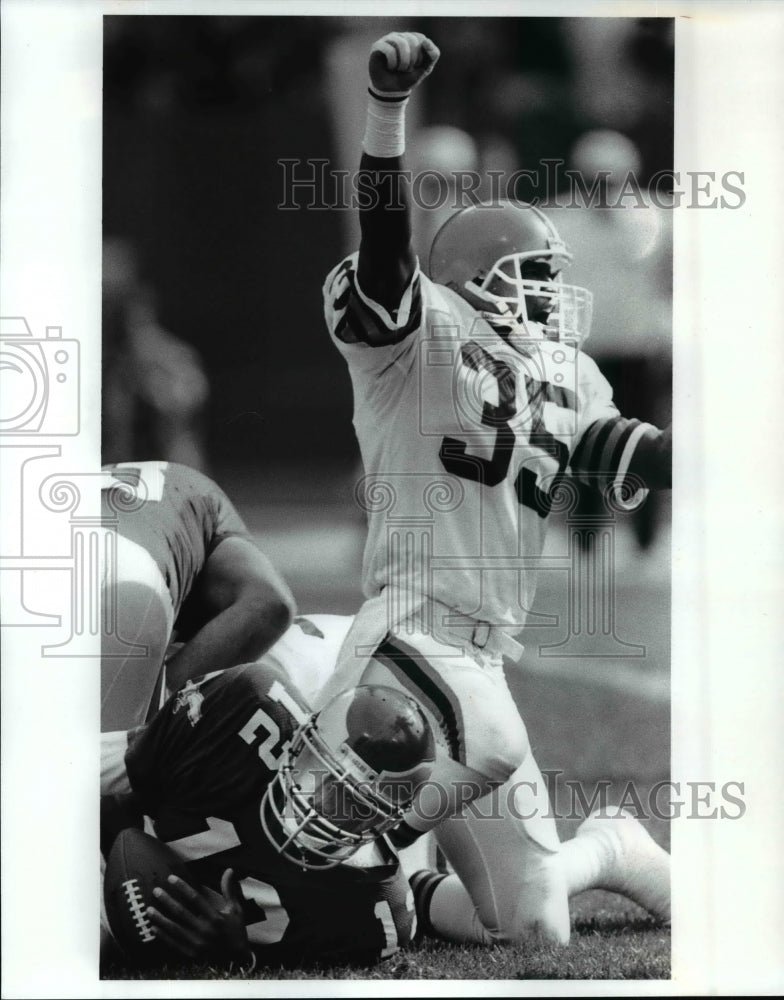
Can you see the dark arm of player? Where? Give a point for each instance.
(398, 62)
(386, 258)
(245, 606)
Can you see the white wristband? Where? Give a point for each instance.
(385, 130)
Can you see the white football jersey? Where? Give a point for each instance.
(462, 436)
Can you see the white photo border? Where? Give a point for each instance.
(728, 694)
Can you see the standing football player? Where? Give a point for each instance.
(279, 814)
(471, 400)
(185, 569)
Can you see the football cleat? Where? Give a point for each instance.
(636, 866)
(505, 259)
(348, 776)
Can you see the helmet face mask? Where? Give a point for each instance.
(332, 793)
(505, 259)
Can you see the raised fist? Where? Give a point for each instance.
(401, 60)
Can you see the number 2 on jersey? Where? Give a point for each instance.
(260, 720)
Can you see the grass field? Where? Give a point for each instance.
(612, 938)
(610, 943)
(594, 719)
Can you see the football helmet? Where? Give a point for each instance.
(349, 774)
(505, 259)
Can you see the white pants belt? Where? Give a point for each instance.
(483, 634)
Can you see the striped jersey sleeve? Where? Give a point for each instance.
(629, 455)
(606, 453)
(356, 322)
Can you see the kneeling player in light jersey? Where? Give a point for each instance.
(509, 886)
(471, 401)
(184, 568)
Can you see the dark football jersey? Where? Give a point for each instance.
(180, 517)
(199, 771)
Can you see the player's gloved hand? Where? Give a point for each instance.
(189, 923)
(401, 60)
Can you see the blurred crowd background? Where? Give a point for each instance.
(215, 351)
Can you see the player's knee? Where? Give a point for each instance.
(532, 932)
(517, 745)
(504, 744)
(538, 917)
(532, 902)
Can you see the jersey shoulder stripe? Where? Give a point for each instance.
(352, 317)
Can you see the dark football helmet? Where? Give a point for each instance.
(349, 774)
(505, 259)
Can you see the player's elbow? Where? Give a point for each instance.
(267, 615)
(505, 744)
(279, 611)
(533, 907)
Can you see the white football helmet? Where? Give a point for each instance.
(349, 774)
(505, 259)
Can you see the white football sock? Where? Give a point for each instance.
(612, 850)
